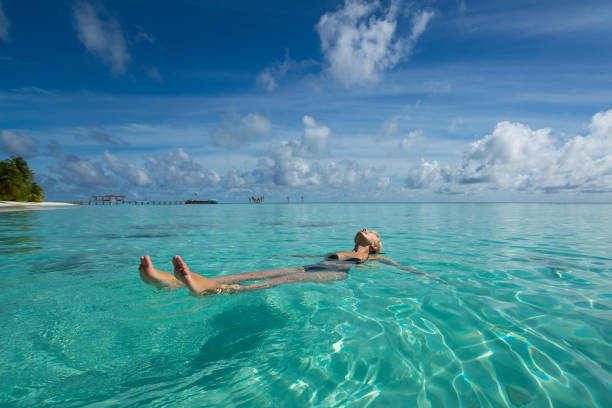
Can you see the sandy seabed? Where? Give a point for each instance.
(26, 206)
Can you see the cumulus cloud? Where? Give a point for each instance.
(5, 24)
(167, 173)
(17, 144)
(383, 182)
(425, 175)
(347, 173)
(237, 132)
(285, 170)
(516, 158)
(102, 36)
(360, 41)
(81, 172)
(297, 163)
(313, 142)
(127, 171)
(177, 170)
(234, 180)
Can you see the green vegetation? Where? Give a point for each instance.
(17, 181)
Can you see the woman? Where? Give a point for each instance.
(334, 267)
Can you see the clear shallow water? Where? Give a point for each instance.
(524, 321)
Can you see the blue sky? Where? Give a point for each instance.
(333, 100)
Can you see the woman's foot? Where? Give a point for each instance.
(155, 277)
(197, 284)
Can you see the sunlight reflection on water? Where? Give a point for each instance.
(524, 320)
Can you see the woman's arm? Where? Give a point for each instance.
(389, 261)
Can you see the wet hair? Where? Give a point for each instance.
(377, 244)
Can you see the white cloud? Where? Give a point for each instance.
(17, 144)
(383, 182)
(169, 174)
(5, 24)
(419, 24)
(233, 180)
(360, 40)
(427, 174)
(282, 169)
(127, 171)
(176, 170)
(412, 139)
(347, 174)
(313, 142)
(77, 171)
(517, 158)
(296, 163)
(601, 126)
(102, 36)
(236, 132)
(269, 77)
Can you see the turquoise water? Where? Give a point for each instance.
(525, 319)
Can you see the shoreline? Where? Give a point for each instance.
(6, 206)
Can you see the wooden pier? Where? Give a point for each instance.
(108, 199)
(156, 202)
(115, 199)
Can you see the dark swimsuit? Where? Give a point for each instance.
(331, 263)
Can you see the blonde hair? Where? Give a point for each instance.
(377, 244)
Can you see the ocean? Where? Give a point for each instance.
(524, 321)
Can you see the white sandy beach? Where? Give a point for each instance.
(26, 206)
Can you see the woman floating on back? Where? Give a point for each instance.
(333, 267)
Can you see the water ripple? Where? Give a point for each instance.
(523, 322)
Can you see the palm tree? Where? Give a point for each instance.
(17, 181)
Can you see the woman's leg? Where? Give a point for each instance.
(257, 275)
(152, 276)
(292, 278)
(164, 280)
(199, 285)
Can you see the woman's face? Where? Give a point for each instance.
(366, 237)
